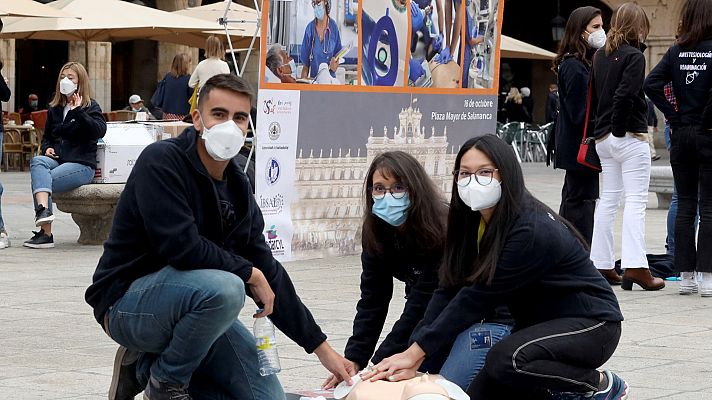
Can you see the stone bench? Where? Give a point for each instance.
(92, 207)
(662, 185)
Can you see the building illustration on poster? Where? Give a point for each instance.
(328, 215)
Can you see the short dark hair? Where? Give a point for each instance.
(695, 23)
(465, 264)
(427, 211)
(229, 82)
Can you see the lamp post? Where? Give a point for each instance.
(558, 24)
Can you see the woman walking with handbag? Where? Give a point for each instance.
(621, 143)
(572, 65)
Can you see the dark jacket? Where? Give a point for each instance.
(543, 273)
(176, 95)
(75, 136)
(618, 98)
(528, 105)
(4, 96)
(170, 187)
(515, 112)
(404, 261)
(573, 77)
(690, 71)
(552, 107)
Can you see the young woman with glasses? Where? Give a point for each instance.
(504, 246)
(403, 238)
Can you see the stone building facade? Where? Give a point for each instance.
(328, 215)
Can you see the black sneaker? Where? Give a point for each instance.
(43, 215)
(40, 241)
(124, 384)
(165, 391)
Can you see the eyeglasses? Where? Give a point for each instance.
(483, 176)
(316, 2)
(397, 191)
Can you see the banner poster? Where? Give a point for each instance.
(342, 81)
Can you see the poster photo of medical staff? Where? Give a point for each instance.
(453, 43)
(480, 43)
(436, 30)
(312, 42)
(384, 41)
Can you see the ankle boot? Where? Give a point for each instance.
(611, 276)
(642, 277)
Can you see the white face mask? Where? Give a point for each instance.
(293, 67)
(597, 39)
(67, 87)
(224, 140)
(479, 197)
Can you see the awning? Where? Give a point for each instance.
(513, 48)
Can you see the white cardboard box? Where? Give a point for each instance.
(118, 150)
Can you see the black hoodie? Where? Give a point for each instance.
(169, 214)
(690, 71)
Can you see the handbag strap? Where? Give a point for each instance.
(588, 99)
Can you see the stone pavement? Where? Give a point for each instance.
(51, 347)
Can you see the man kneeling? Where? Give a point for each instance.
(185, 248)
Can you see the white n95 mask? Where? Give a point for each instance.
(479, 197)
(224, 140)
(597, 39)
(67, 87)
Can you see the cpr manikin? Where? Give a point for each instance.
(423, 387)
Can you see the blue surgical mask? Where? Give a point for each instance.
(319, 11)
(34, 104)
(390, 209)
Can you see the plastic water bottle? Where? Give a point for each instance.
(266, 346)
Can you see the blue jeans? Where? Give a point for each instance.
(50, 176)
(187, 322)
(468, 355)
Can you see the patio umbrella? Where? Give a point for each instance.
(240, 32)
(103, 21)
(29, 8)
(513, 48)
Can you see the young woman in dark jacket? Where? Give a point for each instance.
(175, 101)
(584, 35)
(74, 125)
(688, 65)
(506, 247)
(622, 145)
(403, 238)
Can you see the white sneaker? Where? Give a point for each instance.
(4, 240)
(705, 282)
(688, 283)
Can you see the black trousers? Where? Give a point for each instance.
(578, 201)
(559, 355)
(691, 159)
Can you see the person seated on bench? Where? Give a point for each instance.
(74, 125)
(185, 248)
(567, 318)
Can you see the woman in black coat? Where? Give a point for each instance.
(572, 66)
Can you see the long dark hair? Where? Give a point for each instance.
(573, 45)
(695, 22)
(425, 222)
(463, 263)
